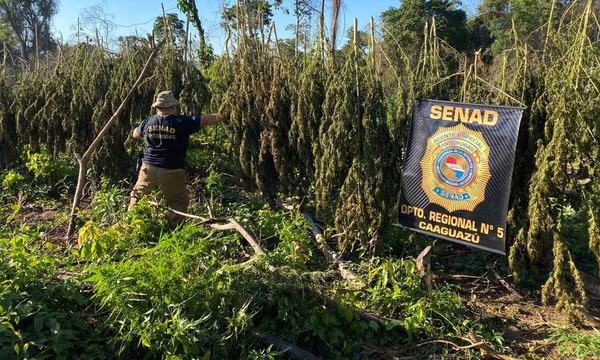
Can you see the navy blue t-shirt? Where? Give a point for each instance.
(167, 139)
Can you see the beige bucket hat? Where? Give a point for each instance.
(165, 99)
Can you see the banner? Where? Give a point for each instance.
(457, 172)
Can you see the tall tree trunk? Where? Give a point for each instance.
(198, 24)
(335, 12)
(23, 48)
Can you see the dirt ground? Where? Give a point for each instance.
(524, 322)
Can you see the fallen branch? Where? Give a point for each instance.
(506, 285)
(231, 224)
(486, 351)
(331, 256)
(380, 320)
(293, 351)
(83, 160)
(234, 225)
(454, 345)
(208, 207)
(461, 276)
(476, 342)
(331, 305)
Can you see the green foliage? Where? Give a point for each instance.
(50, 170)
(253, 15)
(268, 354)
(356, 172)
(24, 17)
(291, 236)
(10, 180)
(43, 178)
(406, 22)
(256, 111)
(194, 299)
(206, 55)
(329, 131)
(523, 18)
(108, 202)
(42, 310)
(170, 25)
(114, 234)
(8, 127)
(307, 114)
(395, 290)
(576, 343)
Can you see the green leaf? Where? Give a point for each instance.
(38, 323)
(389, 326)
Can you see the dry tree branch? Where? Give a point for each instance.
(231, 224)
(331, 256)
(332, 305)
(486, 351)
(475, 342)
(504, 283)
(293, 351)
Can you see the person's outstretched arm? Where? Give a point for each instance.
(136, 134)
(210, 119)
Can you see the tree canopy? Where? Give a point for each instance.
(175, 27)
(406, 23)
(25, 18)
(507, 18)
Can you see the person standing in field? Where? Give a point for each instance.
(166, 135)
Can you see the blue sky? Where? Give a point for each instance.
(130, 16)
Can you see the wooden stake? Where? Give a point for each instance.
(322, 28)
(356, 32)
(276, 39)
(37, 47)
(83, 160)
(98, 43)
(372, 24)
(335, 12)
(297, 8)
(424, 267)
(305, 45)
(237, 21)
(269, 34)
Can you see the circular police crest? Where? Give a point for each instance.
(455, 168)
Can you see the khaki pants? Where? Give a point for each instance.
(172, 183)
